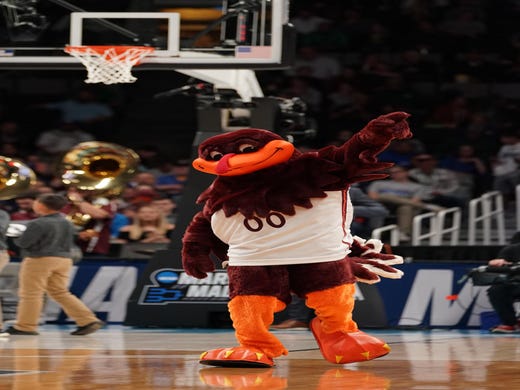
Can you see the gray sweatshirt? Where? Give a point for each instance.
(49, 235)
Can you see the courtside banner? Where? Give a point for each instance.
(169, 285)
(430, 295)
(434, 295)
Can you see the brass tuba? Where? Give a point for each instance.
(101, 168)
(15, 178)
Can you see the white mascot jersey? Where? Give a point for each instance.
(315, 235)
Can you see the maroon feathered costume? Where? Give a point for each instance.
(281, 219)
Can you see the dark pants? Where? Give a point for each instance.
(502, 296)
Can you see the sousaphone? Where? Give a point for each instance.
(15, 178)
(102, 167)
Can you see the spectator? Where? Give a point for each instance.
(368, 213)
(143, 194)
(148, 226)
(123, 217)
(470, 170)
(442, 185)
(401, 152)
(125, 197)
(481, 133)
(55, 142)
(24, 211)
(167, 206)
(143, 178)
(402, 196)
(170, 179)
(506, 172)
(45, 171)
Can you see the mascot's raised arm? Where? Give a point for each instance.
(280, 218)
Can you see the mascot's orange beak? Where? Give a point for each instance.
(273, 153)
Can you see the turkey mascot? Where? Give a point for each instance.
(280, 220)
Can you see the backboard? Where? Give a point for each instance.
(243, 34)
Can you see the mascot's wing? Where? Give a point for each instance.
(199, 242)
(286, 185)
(356, 161)
(369, 264)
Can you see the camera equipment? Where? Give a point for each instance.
(486, 275)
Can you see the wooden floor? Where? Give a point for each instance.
(119, 357)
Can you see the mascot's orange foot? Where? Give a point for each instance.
(342, 348)
(236, 357)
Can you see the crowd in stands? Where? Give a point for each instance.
(453, 65)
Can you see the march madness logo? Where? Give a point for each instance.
(175, 286)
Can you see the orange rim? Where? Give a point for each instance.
(102, 49)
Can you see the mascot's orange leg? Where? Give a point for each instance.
(251, 315)
(337, 334)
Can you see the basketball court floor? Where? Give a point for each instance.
(119, 357)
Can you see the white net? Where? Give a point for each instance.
(109, 65)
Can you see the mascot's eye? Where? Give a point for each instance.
(215, 156)
(246, 148)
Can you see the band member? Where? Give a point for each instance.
(92, 215)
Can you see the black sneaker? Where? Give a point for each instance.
(88, 329)
(12, 331)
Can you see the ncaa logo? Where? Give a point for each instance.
(165, 277)
(161, 291)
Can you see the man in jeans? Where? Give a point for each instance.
(46, 266)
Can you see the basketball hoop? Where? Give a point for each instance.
(109, 64)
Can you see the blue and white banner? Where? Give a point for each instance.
(429, 294)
